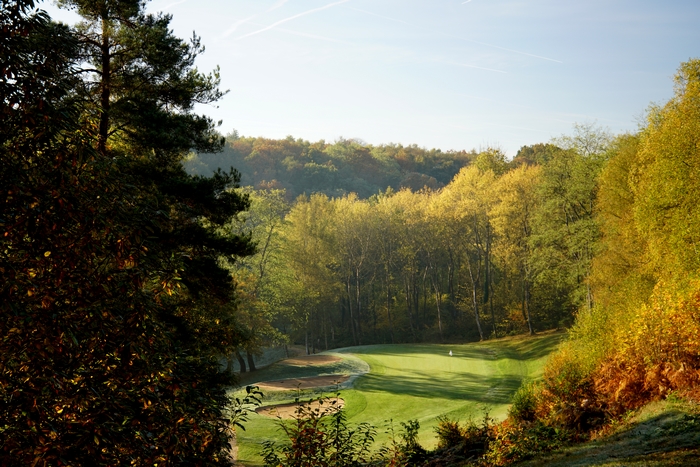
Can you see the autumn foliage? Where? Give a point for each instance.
(107, 356)
(641, 340)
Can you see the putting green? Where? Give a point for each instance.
(422, 381)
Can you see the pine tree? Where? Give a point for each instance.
(113, 304)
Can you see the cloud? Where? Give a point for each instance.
(298, 15)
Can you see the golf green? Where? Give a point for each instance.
(419, 381)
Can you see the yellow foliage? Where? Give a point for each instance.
(658, 351)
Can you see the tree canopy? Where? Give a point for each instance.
(113, 300)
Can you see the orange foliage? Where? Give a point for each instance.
(659, 352)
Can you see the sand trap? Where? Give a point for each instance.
(310, 360)
(303, 383)
(290, 410)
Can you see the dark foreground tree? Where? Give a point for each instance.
(112, 302)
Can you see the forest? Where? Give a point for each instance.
(337, 169)
(140, 248)
(505, 247)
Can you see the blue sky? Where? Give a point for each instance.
(450, 74)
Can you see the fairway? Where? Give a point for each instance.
(415, 381)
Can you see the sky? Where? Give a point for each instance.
(448, 74)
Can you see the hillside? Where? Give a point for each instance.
(334, 169)
(663, 433)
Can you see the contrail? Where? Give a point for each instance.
(172, 5)
(460, 38)
(276, 5)
(313, 36)
(308, 12)
(478, 67)
(378, 16)
(235, 26)
(503, 48)
(466, 2)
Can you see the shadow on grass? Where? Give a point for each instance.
(645, 443)
(471, 351)
(536, 348)
(518, 348)
(280, 371)
(471, 387)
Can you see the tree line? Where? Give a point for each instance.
(125, 278)
(598, 229)
(334, 169)
(506, 247)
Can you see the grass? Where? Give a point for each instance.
(661, 434)
(417, 381)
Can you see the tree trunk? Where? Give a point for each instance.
(352, 316)
(105, 84)
(251, 361)
(388, 307)
(241, 362)
(325, 333)
(438, 299)
(527, 307)
(409, 307)
(475, 302)
(359, 307)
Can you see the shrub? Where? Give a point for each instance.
(458, 444)
(658, 352)
(524, 403)
(321, 437)
(512, 442)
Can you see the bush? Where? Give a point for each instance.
(513, 442)
(524, 403)
(657, 353)
(321, 437)
(458, 444)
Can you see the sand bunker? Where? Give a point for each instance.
(290, 410)
(310, 360)
(303, 383)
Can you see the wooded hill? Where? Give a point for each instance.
(125, 279)
(334, 169)
(597, 230)
(505, 247)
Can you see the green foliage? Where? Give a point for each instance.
(346, 166)
(565, 232)
(320, 437)
(492, 159)
(460, 443)
(111, 288)
(524, 403)
(664, 179)
(240, 409)
(536, 154)
(515, 442)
